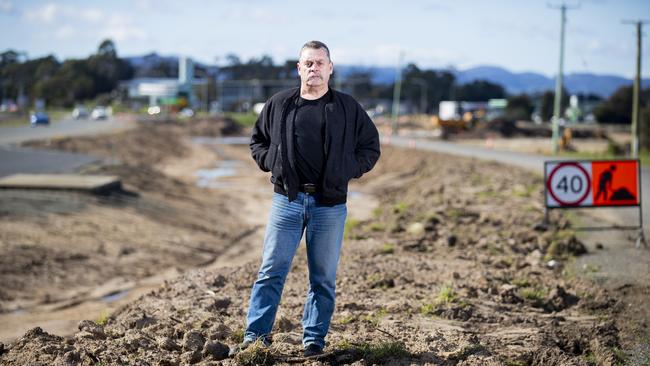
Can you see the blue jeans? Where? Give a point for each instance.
(323, 226)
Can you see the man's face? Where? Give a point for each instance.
(314, 67)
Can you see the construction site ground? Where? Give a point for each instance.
(444, 262)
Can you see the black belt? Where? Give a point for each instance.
(309, 188)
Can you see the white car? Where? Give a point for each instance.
(80, 113)
(99, 113)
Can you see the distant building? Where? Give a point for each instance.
(165, 91)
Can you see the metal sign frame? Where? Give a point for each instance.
(639, 204)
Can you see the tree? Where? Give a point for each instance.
(359, 84)
(547, 103)
(479, 91)
(107, 49)
(519, 107)
(439, 85)
(107, 69)
(618, 107)
(9, 57)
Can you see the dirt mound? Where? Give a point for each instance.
(452, 269)
(68, 248)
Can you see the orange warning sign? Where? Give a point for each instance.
(615, 183)
(592, 183)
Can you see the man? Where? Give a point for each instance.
(313, 140)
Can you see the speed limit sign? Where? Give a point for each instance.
(595, 183)
(569, 184)
(592, 183)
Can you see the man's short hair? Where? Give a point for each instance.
(317, 45)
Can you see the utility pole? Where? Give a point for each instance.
(557, 105)
(396, 92)
(423, 93)
(637, 87)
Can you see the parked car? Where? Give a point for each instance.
(39, 118)
(186, 113)
(153, 110)
(80, 112)
(99, 113)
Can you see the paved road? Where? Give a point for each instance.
(534, 163)
(66, 127)
(19, 160)
(14, 160)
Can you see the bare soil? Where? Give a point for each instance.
(445, 262)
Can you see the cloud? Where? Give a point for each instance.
(65, 32)
(52, 13)
(123, 28)
(6, 6)
(71, 22)
(44, 14)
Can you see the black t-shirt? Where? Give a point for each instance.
(309, 137)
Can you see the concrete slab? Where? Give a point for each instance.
(89, 183)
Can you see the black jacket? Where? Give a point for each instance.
(351, 144)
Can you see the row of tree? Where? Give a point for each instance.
(74, 80)
(62, 83)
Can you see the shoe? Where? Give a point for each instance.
(313, 350)
(234, 350)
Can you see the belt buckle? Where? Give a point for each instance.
(309, 188)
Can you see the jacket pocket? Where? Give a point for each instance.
(270, 157)
(276, 163)
(351, 167)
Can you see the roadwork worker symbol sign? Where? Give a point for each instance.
(592, 183)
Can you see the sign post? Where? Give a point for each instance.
(594, 183)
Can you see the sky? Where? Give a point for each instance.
(520, 36)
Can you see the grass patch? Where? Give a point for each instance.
(381, 352)
(242, 119)
(484, 195)
(568, 271)
(387, 248)
(347, 319)
(644, 156)
(455, 213)
(524, 191)
(446, 295)
(350, 226)
(237, 335)
(521, 282)
(590, 268)
(509, 362)
(494, 250)
(377, 226)
(256, 354)
(377, 211)
(533, 293)
(103, 318)
(375, 353)
(375, 318)
(400, 208)
(428, 309)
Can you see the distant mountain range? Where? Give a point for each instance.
(514, 83)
